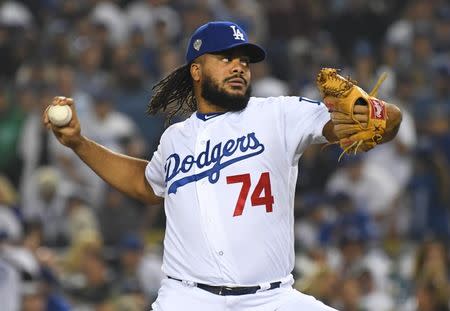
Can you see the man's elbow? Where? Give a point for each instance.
(393, 123)
(147, 195)
(152, 199)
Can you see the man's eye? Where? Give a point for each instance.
(225, 59)
(245, 62)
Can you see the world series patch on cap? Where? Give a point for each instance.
(220, 36)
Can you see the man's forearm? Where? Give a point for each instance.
(126, 174)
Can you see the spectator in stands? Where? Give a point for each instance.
(349, 295)
(429, 193)
(370, 188)
(373, 298)
(324, 284)
(97, 286)
(313, 216)
(350, 219)
(80, 216)
(11, 123)
(45, 202)
(10, 282)
(119, 216)
(10, 222)
(432, 267)
(65, 79)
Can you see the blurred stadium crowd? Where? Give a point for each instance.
(372, 231)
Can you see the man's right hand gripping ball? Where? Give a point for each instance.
(359, 118)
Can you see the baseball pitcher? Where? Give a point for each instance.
(227, 174)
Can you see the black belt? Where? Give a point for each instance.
(230, 291)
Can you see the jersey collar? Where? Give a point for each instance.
(208, 116)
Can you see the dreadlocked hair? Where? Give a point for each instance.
(174, 94)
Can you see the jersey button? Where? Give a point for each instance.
(220, 253)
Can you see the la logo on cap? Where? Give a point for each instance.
(197, 44)
(219, 36)
(237, 34)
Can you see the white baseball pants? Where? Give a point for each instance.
(175, 296)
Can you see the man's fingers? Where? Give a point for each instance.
(359, 109)
(342, 118)
(361, 117)
(62, 100)
(361, 113)
(69, 101)
(45, 116)
(345, 130)
(57, 100)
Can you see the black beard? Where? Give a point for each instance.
(213, 94)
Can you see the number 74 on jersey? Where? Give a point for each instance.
(261, 195)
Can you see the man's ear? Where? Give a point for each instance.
(195, 70)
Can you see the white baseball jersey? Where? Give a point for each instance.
(228, 181)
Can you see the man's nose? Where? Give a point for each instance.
(237, 67)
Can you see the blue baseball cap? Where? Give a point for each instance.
(220, 36)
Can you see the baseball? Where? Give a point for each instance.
(59, 115)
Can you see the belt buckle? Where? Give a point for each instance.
(188, 283)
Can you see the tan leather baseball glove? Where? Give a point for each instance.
(359, 118)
